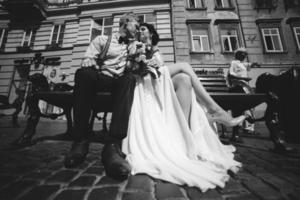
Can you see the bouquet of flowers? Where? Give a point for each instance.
(140, 60)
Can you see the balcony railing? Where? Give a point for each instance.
(24, 9)
(291, 3)
(266, 4)
(63, 2)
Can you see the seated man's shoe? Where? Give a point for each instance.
(77, 154)
(224, 118)
(283, 149)
(23, 141)
(236, 139)
(250, 132)
(114, 162)
(250, 119)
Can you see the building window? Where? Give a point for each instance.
(294, 23)
(102, 26)
(271, 35)
(28, 38)
(57, 34)
(266, 4)
(223, 4)
(195, 4)
(149, 18)
(3, 37)
(291, 3)
(272, 40)
(296, 31)
(199, 38)
(229, 39)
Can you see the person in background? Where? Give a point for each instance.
(238, 80)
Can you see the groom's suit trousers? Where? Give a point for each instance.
(88, 82)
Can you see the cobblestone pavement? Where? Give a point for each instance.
(37, 173)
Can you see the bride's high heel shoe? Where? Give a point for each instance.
(224, 118)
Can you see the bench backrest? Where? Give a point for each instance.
(213, 82)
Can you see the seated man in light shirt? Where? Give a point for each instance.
(238, 80)
(107, 74)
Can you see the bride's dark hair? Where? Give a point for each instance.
(155, 36)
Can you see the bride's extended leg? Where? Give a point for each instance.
(217, 113)
(183, 86)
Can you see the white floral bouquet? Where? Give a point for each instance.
(139, 60)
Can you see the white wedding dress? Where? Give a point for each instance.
(162, 144)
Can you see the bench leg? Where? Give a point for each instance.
(235, 130)
(223, 131)
(69, 121)
(18, 105)
(34, 116)
(105, 129)
(15, 121)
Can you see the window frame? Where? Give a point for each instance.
(228, 37)
(201, 7)
(229, 7)
(103, 26)
(203, 24)
(29, 41)
(296, 38)
(288, 4)
(294, 22)
(200, 37)
(57, 42)
(264, 35)
(263, 4)
(229, 24)
(3, 37)
(271, 23)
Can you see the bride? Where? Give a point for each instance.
(166, 145)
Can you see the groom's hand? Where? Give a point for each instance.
(89, 62)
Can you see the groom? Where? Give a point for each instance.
(110, 77)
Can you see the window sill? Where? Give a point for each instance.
(196, 9)
(53, 47)
(24, 49)
(265, 8)
(281, 52)
(227, 52)
(201, 52)
(224, 9)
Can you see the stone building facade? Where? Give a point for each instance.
(206, 33)
(36, 35)
(40, 34)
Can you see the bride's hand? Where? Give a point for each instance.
(89, 62)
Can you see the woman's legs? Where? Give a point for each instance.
(201, 94)
(182, 85)
(217, 113)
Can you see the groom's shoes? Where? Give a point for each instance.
(114, 162)
(281, 148)
(77, 154)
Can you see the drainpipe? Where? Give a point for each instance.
(172, 21)
(241, 25)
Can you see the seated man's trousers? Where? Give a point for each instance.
(88, 82)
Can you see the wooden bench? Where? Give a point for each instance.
(214, 83)
(11, 109)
